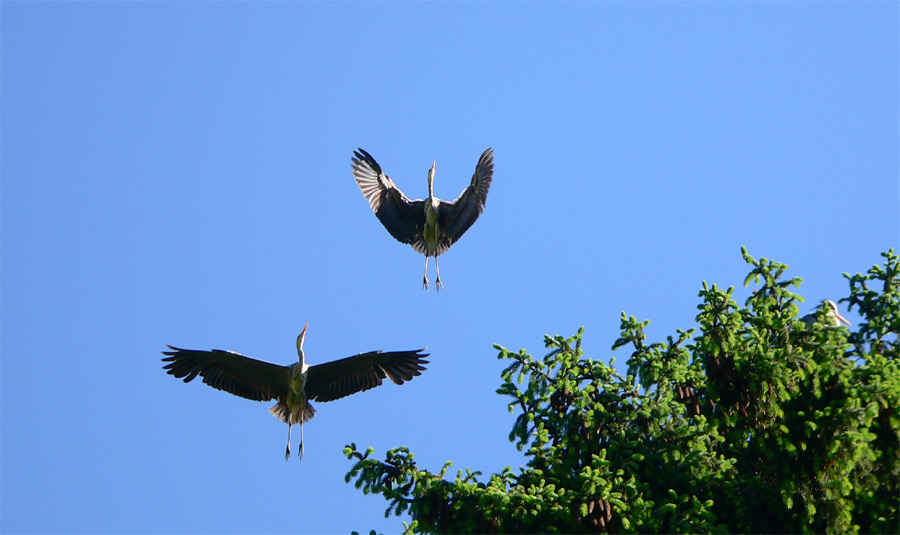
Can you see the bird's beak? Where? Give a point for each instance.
(841, 318)
(301, 337)
(432, 166)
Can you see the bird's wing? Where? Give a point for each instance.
(229, 371)
(403, 218)
(339, 378)
(455, 218)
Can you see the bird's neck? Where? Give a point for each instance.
(298, 379)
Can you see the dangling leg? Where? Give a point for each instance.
(438, 285)
(287, 452)
(425, 278)
(301, 442)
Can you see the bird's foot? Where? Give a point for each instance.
(287, 453)
(425, 283)
(438, 285)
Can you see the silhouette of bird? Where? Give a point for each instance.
(296, 385)
(430, 226)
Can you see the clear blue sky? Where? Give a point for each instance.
(179, 173)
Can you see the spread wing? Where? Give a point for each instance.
(455, 218)
(339, 378)
(403, 218)
(229, 371)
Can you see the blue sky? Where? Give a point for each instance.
(179, 173)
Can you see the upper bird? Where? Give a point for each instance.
(296, 385)
(430, 226)
(834, 318)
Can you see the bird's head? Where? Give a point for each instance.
(831, 309)
(300, 340)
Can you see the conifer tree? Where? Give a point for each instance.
(751, 422)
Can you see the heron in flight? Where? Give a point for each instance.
(296, 385)
(430, 226)
(834, 318)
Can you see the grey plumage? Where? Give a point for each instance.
(831, 313)
(429, 226)
(296, 385)
(263, 381)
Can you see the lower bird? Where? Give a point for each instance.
(834, 318)
(296, 385)
(430, 226)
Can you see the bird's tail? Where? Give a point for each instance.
(303, 414)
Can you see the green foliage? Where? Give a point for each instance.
(751, 423)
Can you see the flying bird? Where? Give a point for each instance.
(430, 226)
(296, 385)
(834, 318)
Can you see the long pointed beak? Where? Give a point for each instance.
(432, 165)
(301, 338)
(841, 318)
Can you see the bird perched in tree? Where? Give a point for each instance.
(296, 385)
(430, 226)
(834, 318)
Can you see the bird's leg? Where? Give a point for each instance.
(287, 452)
(301, 442)
(438, 285)
(425, 278)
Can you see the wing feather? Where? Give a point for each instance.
(229, 371)
(340, 378)
(403, 218)
(455, 218)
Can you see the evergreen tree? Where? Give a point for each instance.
(750, 423)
